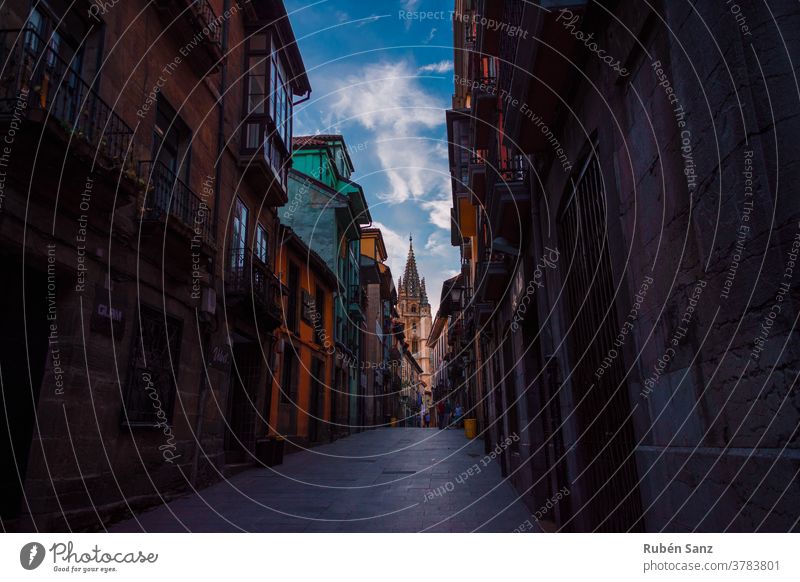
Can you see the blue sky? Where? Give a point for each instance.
(384, 82)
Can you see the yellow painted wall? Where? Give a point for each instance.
(304, 345)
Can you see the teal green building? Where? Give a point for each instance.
(327, 210)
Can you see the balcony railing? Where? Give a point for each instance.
(249, 276)
(513, 169)
(356, 297)
(478, 158)
(207, 20)
(31, 66)
(200, 15)
(168, 196)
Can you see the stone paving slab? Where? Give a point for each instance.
(376, 481)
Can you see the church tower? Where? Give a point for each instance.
(415, 313)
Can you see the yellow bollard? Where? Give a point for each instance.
(470, 428)
(393, 422)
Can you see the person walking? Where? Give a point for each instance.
(440, 411)
(448, 409)
(457, 416)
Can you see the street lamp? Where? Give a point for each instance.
(455, 295)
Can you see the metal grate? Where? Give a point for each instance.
(610, 469)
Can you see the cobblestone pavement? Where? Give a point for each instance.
(383, 480)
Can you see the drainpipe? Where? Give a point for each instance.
(206, 336)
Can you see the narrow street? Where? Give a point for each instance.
(376, 481)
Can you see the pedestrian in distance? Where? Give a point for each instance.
(457, 420)
(440, 411)
(448, 410)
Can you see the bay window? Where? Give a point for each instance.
(268, 104)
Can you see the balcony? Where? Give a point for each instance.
(197, 28)
(493, 276)
(483, 312)
(169, 205)
(509, 203)
(41, 90)
(251, 286)
(266, 167)
(483, 120)
(454, 331)
(477, 175)
(356, 300)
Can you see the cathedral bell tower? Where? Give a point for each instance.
(415, 313)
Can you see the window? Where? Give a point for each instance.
(262, 250)
(294, 289)
(267, 104)
(239, 235)
(155, 355)
(281, 103)
(171, 140)
(414, 346)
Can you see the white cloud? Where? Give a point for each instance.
(389, 100)
(439, 211)
(440, 67)
(438, 244)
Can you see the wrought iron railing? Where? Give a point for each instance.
(207, 20)
(201, 15)
(512, 15)
(31, 67)
(478, 158)
(248, 275)
(168, 197)
(513, 169)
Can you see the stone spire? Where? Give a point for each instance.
(411, 284)
(424, 292)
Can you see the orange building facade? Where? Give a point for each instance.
(300, 403)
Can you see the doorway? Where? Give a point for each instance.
(23, 353)
(315, 404)
(240, 431)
